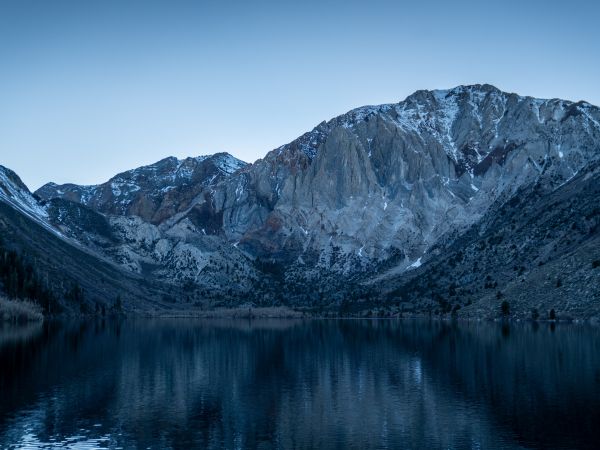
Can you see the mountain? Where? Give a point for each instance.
(540, 251)
(153, 193)
(58, 271)
(157, 221)
(363, 208)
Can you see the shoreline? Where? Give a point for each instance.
(20, 311)
(296, 314)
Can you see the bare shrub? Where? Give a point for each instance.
(19, 311)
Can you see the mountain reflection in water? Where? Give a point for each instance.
(299, 384)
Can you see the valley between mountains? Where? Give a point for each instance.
(448, 203)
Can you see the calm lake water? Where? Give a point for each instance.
(299, 384)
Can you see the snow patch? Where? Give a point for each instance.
(229, 164)
(536, 104)
(446, 116)
(416, 264)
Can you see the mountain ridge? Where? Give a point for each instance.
(377, 186)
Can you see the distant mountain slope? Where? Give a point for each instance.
(153, 192)
(14, 193)
(64, 265)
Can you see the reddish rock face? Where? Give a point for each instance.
(155, 192)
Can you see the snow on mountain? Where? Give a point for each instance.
(228, 164)
(14, 192)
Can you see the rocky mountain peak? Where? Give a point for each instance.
(148, 190)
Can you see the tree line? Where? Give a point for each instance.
(19, 279)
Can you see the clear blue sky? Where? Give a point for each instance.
(91, 88)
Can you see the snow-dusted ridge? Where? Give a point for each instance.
(127, 192)
(14, 193)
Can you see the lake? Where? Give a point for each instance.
(179, 383)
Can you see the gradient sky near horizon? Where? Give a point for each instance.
(92, 88)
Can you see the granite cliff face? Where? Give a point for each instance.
(368, 197)
(395, 178)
